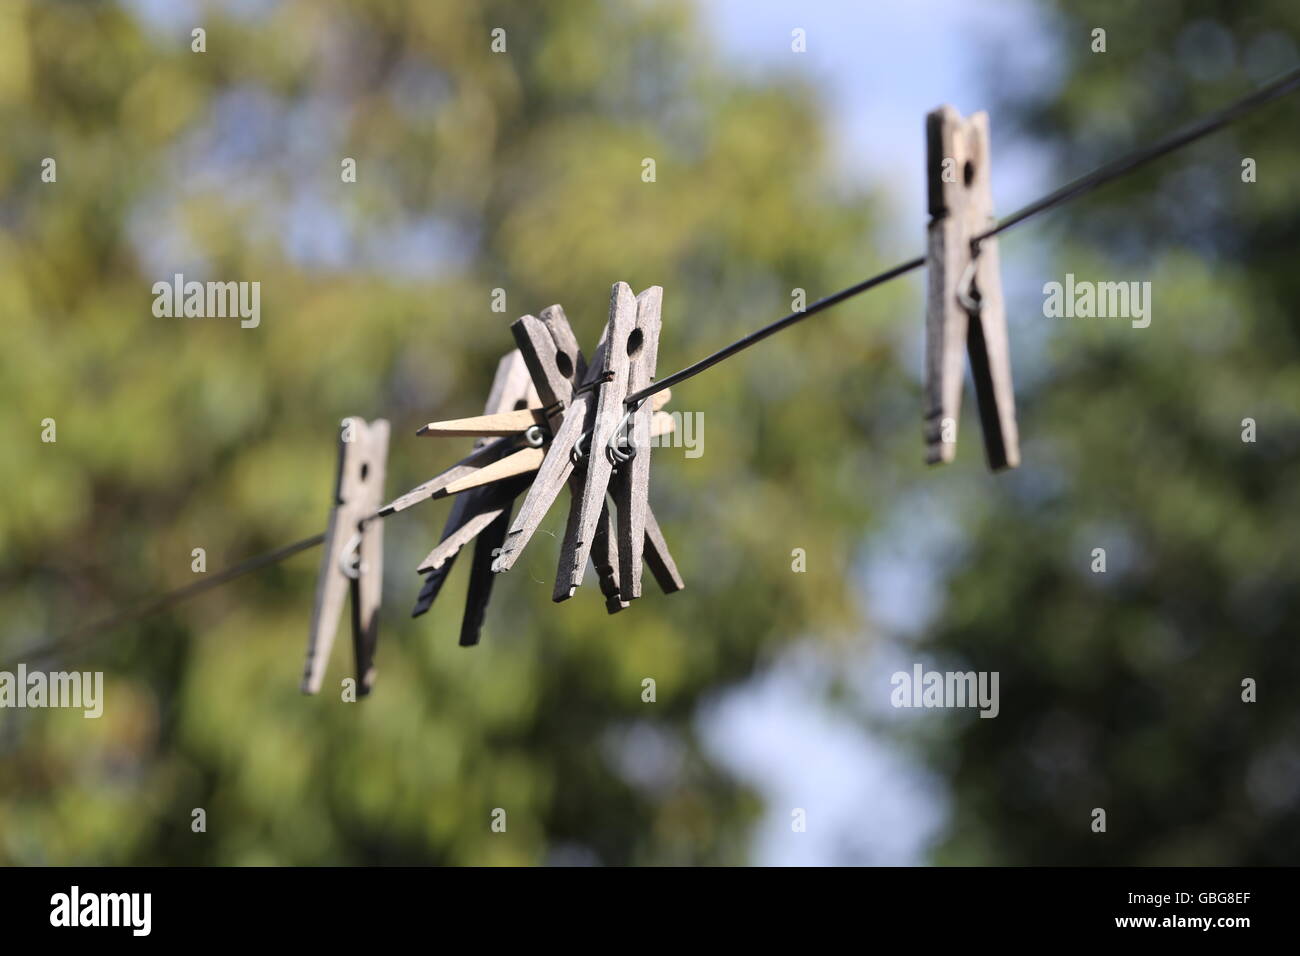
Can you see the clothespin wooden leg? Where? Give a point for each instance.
(608, 417)
(632, 489)
(605, 558)
(479, 509)
(965, 310)
(661, 563)
(467, 518)
(481, 577)
(367, 594)
(353, 554)
(467, 467)
(430, 590)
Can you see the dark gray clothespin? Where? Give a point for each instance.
(631, 346)
(965, 312)
(568, 420)
(559, 370)
(476, 513)
(353, 561)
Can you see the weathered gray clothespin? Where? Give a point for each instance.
(567, 419)
(619, 436)
(631, 483)
(965, 311)
(560, 374)
(354, 554)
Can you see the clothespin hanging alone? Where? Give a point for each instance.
(353, 561)
(965, 311)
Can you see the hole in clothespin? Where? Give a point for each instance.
(968, 172)
(634, 342)
(522, 403)
(365, 470)
(564, 364)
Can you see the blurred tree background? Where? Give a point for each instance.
(476, 171)
(1123, 690)
(522, 171)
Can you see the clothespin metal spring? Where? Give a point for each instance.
(621, 447)
(968, 292)
(350, 558)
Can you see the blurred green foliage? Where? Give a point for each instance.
(476, 171)
(522, 171)
(1123, 690)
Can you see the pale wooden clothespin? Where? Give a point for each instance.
(965, 312)
(353, 561)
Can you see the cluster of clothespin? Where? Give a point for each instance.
(552, 419)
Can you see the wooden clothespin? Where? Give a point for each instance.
(478, 515)
(567, 420)
(498, 498)
(631, 482)
(619, 437)
(354, 554)
(965, 310)
(555, 361)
